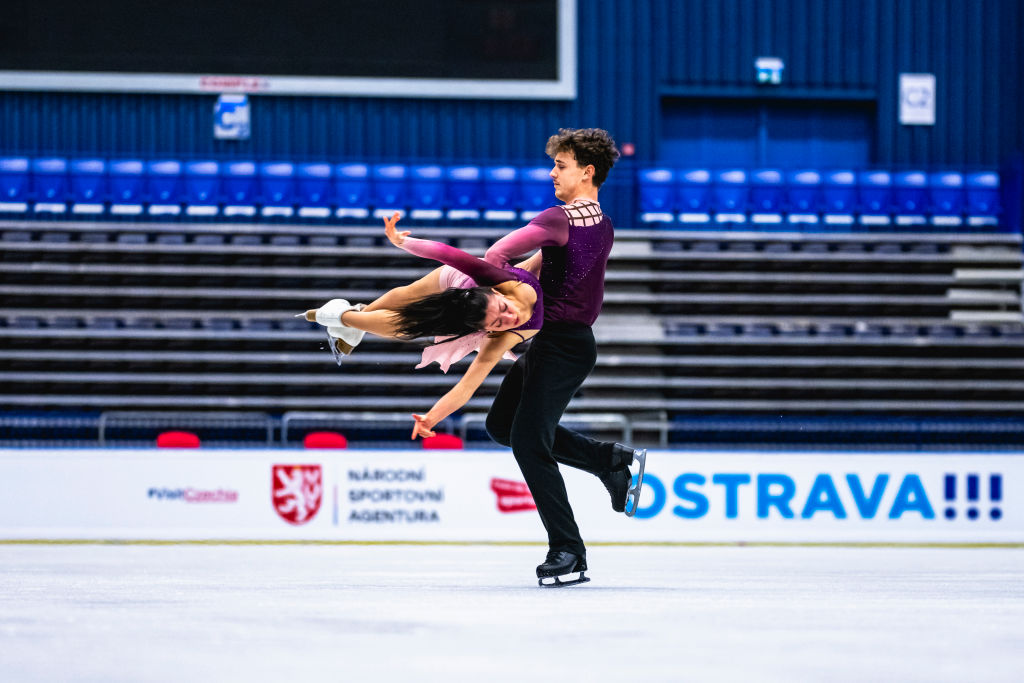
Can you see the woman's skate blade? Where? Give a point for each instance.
(339, 347)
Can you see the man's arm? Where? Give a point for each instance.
(550, 228)
(532, 264)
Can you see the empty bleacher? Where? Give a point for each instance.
(802, 306)
(54, 188)
(839, 199)
(713, 337)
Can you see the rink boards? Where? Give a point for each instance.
(480, 496)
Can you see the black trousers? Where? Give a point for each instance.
(525, 416)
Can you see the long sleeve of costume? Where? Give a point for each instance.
(484, 273)
(549, 229)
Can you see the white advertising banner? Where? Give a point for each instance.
(468, 496)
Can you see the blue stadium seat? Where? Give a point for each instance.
(501, 193)
(946, 198)
(803, 197)
(14, 184)
(766, 196)
(910, 194)
(202, 188)
(277, 189)
(88, 186)
(729, 196)
(313, 189)
(983, 203)
(536, 191)
(389, 190)
(127, 181)
(656, 187)
(462, 193)
(49, 184)
(874, 198)
(693, 196)
(426, 189)
(839, 197)
(164, 187)
(238, 183)
(351, 190)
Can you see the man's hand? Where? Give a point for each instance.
(420, 428)
(392, 232)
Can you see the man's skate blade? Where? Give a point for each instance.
(557, 582)
(633, 495)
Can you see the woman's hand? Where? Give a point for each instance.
(420, 428)
(392, 232)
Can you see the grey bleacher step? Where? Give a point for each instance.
(434, 381)
(623, 249)
(233, 293)
(998, 275)
(605, 362)
(414, 403)
(975, 294)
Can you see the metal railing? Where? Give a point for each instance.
(580, 422)
(190, 420)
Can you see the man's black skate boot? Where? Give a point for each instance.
(623, 457)
(617, 483)
(560, 563)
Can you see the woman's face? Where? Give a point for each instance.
(502, 314)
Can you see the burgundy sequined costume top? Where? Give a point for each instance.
(575, 241)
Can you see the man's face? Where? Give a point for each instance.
(568, 177)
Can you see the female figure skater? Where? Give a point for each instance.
(466, 304)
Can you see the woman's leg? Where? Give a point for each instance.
(379, 322)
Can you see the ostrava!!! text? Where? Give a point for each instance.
(778, 492)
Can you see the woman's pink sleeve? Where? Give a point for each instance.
(484, 273)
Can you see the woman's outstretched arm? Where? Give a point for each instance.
(485, 274)
(491, 351)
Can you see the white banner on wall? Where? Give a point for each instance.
(481, 496)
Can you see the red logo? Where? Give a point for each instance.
(297, 491)
(513, 496)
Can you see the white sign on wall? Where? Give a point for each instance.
(480, 496)
(917, 99)
(231, 117)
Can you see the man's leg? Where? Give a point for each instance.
(506, 403)
(553, 370)
(607, 460)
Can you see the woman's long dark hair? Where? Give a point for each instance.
(452, 312)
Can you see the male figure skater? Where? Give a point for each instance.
(575, 240)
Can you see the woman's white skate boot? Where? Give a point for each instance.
(342, 339)
(330, 313)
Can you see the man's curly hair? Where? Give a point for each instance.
(589, 146)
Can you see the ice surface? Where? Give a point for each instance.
(380, 613)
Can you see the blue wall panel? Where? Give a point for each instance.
(631, 55)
